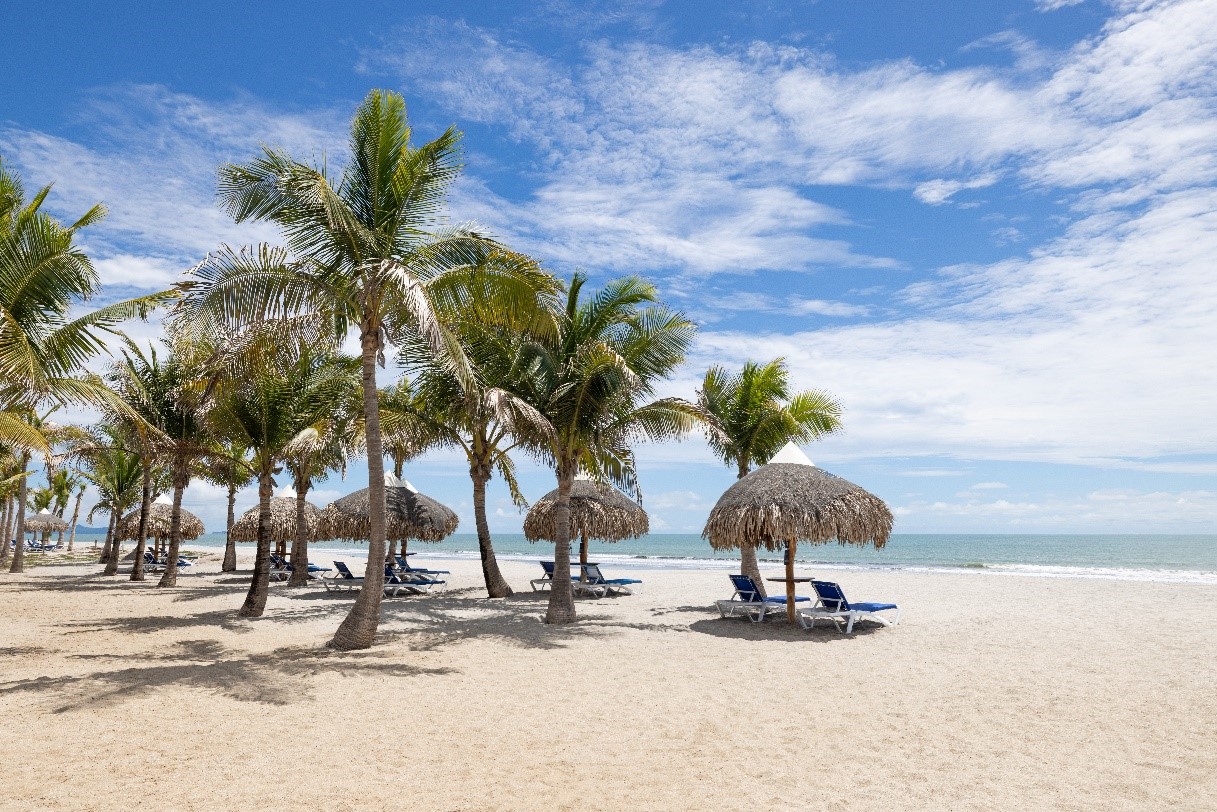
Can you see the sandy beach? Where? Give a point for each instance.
(993, 693)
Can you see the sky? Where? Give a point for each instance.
(989, 229)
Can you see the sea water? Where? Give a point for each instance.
(1164, 558)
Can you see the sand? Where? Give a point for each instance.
(995, 692)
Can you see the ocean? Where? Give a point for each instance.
(1162, 558)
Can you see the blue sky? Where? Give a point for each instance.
(988, 228)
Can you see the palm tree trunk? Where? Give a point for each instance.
(561, 595)
(80, 494)
(358, 629)
(5, 537)
(748, 565)
(230, 546)
(181, 479)
(18, 564)
(255, 599)
(108, 548)
(391, 555)
(496, 584)
(300, 544)
(141, 537)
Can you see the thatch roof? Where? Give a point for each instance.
(409, 516)
(158, 524)
(596, 511)
(782, 501)
(44, 520)
(282, 521)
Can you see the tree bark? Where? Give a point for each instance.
(230, 546)
(391, 555)
(255, 599)
(358, 629)
(108, 549)
(80, 494)
(561, 594)
(5, 536)
(181, 479)
(300, 544)
(791, 546)
(748, 565)
(18, 564)
(141, 536)
(496, 584)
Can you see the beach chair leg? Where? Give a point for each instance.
(849, 628)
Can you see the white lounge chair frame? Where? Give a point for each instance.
(808, 617)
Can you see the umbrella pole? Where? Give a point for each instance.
(790, 548)
(583, 557)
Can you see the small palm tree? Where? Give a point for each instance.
(117, 472)
(228, 467)
(591, 382)
(165, 392)
(265, 407)
(749, 415)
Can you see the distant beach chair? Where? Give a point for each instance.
(747, 601)
(619, 586)
(833, 606)
(399, 582)
(343, 579)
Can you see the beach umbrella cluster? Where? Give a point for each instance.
(789, 500)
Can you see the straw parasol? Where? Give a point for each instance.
(789, 500)
(44, 520)
(282, 521)
(597, 511)
(409, 515)
(159, 515)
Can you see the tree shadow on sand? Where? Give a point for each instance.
(777, 630)
(278, 677)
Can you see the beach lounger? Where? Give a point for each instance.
(547, 580)
(833, 606)
(343, 579)
(398, 582)
(619, 586)
(747, 601)
(404, 565)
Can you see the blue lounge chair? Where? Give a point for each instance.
(547, 580)
(747, 601)
(343, 579)
(404, 566)
(620, 586)
(833, 606)
(398, 582)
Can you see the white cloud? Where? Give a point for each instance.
(1053, 5)
(989, 486)
(937, 192)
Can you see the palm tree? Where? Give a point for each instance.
(81, 485)
(229, 468)
(749, 415)
(44, 275)
(590, 382)
(117, 472)
(265, 408)
(486, 418)
(365, 254)
(316, 449)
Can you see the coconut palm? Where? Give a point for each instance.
(116, 471)
(229, 468)
(81, 485)
(265, 408)
(366, 253)
(486, 418)
(591, 382)
(749, 415)
(316, 449)
(44, 275)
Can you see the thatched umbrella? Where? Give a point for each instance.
(159, 515)
(790, 500)
(44, 520)
(408, 515)
(282, 522)
(596, 512)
